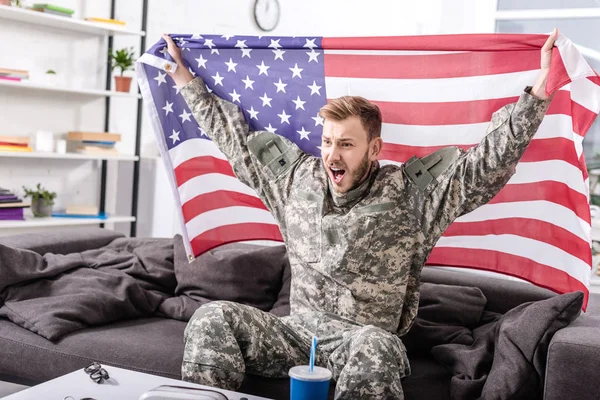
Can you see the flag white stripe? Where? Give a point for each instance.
(483, 87)
(194, 148)
(537, 251)
(553, 126)
(209, 183)
(551, 170)
(586, 93)
(540, 210)
(573, 61)
(227, 216)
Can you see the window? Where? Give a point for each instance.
(581, 26)
(545, 4)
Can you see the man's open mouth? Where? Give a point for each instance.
(338, 174)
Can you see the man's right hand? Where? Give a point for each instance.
(182, 76)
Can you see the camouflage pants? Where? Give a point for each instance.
(224, 341)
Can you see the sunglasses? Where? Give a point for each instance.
(96, 372)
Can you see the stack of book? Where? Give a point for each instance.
(97, 143)
(80, 211)
(15, 143)
(9, 74)
(53, 9)
(11, 206)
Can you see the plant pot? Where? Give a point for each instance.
(4, 2)
(122, 83)
(41, 208)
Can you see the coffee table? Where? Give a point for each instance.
(123, 384)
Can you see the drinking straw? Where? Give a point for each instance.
(313, 350)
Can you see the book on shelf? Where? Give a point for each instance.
(97, 143)
(94, 136)
(11, 206)
(16, 140)
(59, 214)
(16, 148)
(13, 74)
(15, 143)
(81, 210)
(53, 9)
(106, 20)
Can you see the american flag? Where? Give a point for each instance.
(433, 91)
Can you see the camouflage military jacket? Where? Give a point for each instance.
(359, 256)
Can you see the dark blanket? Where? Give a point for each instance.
(53, 295)
(490, 356)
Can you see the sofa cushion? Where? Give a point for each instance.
(502, 294)
(244, 273)
(62, 241)
(518, 360)
(151, 345)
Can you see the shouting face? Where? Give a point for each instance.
(347, 152)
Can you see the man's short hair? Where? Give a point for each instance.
(348, 106)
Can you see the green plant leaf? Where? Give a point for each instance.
(122, 59)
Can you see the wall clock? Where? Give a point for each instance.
(266, 14)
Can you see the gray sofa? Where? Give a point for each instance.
(154, 345)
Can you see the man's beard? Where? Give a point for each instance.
(360, 172)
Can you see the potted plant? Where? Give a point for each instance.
(50, 77)
(41, 200)
(122, 59)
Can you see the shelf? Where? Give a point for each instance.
(86, 92)
(63, 23)
(52, 221)
(66, 156)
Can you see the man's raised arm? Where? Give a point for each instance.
(455, 182)
(262, 160)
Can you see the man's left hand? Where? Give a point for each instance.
(539, 89)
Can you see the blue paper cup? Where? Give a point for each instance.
(307, 385)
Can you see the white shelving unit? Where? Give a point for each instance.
(24, 85)
(48, 21)
(62, 23)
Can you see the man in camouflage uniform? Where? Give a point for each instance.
(358, 236)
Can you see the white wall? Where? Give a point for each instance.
(79, 58)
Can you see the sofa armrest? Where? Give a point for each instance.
(572, 367)
(63, 241)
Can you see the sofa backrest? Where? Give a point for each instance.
(62, 241)
(501, 294)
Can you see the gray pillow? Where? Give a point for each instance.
(243, 273)
(507, 359)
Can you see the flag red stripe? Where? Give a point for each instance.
(582, 118)
(583, 166)
(459, 42)
(534, 229)
(234, 233)
(538, 150)
(559, 75)
(430, 66)
(197, 166)
(476, 111)
(220, 199)
(555, 192)
(508, 264)
(595, 79)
